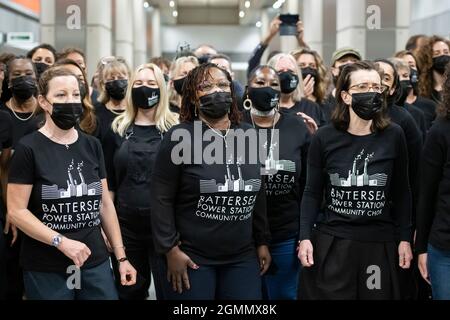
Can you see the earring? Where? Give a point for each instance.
(195, 111)
(248, 104)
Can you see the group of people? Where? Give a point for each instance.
(110, 180)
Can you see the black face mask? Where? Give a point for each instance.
(439, 63)
(366, 105)
(264, 99)
(415, 80)
(204, 59)
(216, 105)
(166, 78)
(406, 89)
(146, 98)
(40, 68)
(83, 91)
(178, 85)
(66, 115)
(23, 88)
(288, 81)
(117, 89)
(309, 71)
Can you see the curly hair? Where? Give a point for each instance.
(443, 109)
(189, 101)
(321, 84)
(425, 64)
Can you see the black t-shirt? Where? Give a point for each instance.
(66, 197)
(284, 187)
(105, 119)
(414, 142)
(129, 164)
(328, 106)
(362, 177)
(419, 117)
(309, 108)
(6, 130)
(216, 211)
(433, 210)
(429, 109)
(23, 126)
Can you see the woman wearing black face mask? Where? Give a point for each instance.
(113, 82)
(130, 151)
(359, 162)
(55, 197)
(178, 73)
(284, 186)
(208, 201)
(43, 57)
(292, 91)
(88, 122)
(433, 57)
(428, 106)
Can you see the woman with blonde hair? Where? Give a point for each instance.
(113, 82)
(293, 99)
(178, 73)
(130, 149)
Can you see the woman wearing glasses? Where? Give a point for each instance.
(359, 163)
(208, 201)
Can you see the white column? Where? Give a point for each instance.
(265, 28)
(98, 35)
(403, 18)
(123, 31)
(156, 33)
(48, 21)
(351, 24)
(139, 32)
(289, 43)
(313, 22)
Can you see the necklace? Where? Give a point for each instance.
(223, 136)
(57, 139)
(117, 113)
(273, 121)
(16, 115)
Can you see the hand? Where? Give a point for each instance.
(76, 251)
(264, 259)
(311, 125)
(127, 274)
(405, 254)
(305, 253)
(273, 30)
(423, 268)
(301, 34)
(13, 228)
(309, 84)
(177, 264)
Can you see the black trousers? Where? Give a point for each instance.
(136, 233)
(351, 270)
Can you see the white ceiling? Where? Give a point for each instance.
(209, 3)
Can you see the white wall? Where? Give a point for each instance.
(430, 17)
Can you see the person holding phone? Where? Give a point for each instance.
(255, 59)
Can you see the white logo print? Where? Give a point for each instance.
(153, 100)
(74, 189)
(272, 166)
(231, 184)
(355, 179)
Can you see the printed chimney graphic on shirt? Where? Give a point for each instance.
(231, 184)
(355, 179)
(74, 189)
(152, 100)
(272, 166)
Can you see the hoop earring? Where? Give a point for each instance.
(248, 105)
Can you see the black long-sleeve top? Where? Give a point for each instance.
(361, 177)
(433, 210)
(215, 212)
(255, 59)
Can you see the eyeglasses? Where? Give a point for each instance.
(208, 86)
(365, 87)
